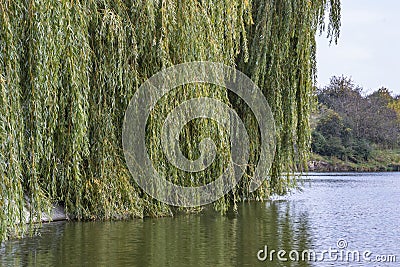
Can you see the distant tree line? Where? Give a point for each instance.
(349, 124)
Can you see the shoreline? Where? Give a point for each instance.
(326, 167)
(381, 161)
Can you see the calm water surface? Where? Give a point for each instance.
(361, 211)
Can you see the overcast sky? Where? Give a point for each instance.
(368, 50)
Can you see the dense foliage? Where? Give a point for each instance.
(351, 124)
(68, 69)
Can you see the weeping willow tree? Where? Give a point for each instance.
(69, 68)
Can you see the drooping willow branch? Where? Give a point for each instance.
(69, 68)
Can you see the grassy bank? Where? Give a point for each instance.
(380, 160)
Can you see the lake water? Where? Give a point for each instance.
(349, 214)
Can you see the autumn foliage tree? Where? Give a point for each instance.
(351, 122)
